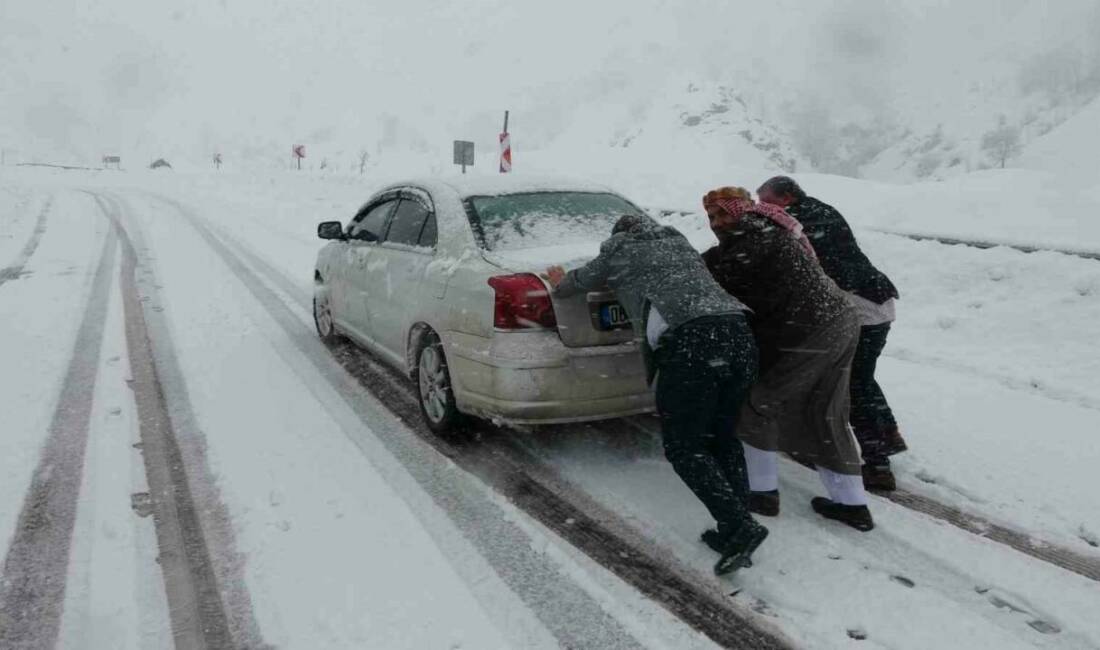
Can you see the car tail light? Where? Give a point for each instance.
(522, 302)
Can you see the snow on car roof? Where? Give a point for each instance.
(478, 185)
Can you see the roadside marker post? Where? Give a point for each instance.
(298, 152)
(505, 148)
(464, 154)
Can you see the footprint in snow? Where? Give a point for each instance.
(1015, 605)
(1088, 537)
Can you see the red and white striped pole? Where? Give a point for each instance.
(505, 148)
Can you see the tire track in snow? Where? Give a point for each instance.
(197, 600)
(15, 271)
(485, 453)
(1060, 556)
(975, 243)
(32, 584)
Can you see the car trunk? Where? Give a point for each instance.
(591, 319)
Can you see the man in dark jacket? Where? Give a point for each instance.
(698, 346)
(873, 295)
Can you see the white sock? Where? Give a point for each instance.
(763, 469)
(845, 489)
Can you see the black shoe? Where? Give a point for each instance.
(714, 539)
(764, 503)
(737, 548)
(858, 517)
(878, 477)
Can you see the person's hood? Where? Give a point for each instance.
(639, 226)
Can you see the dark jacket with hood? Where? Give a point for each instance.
(766, 268)
(647, 264)
(838, 252)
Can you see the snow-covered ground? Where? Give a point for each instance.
(992, 369)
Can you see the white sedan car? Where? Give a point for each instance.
(441, 279)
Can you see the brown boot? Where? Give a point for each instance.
(764, 503)
(879, 477)
(893, 443)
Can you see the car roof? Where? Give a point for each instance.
(494, 185)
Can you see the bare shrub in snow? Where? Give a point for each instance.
(1002, 143)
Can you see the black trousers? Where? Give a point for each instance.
(871, 417)
(705, 370)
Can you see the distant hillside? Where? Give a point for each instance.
(1072, 148)
(893, 91)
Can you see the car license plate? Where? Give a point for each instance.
(613, 316)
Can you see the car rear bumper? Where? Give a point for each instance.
(530, 377)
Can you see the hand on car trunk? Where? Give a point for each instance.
(555, 274)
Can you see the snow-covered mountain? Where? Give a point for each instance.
(1029, 68)
(1073, 148)
(896, 92)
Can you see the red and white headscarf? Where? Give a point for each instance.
(736, 206)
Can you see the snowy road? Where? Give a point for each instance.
(163, 363)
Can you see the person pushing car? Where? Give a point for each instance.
(699, 350)
(873, 295)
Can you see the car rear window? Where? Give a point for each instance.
(531, 220)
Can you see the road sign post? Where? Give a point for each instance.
(505, 148)
(298, 151)
(464, 154)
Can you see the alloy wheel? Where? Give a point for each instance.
(433, 383)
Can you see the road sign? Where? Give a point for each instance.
(113, 160)
(464, 154)
(298, 152)
(218, 160)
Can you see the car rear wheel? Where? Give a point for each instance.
(322, 318)
(433, 378)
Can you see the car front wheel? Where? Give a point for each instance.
(322, 318)
(433, 378)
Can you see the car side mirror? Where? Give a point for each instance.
(330, 230)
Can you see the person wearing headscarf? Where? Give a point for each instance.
(699, 351)
(806, 331)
